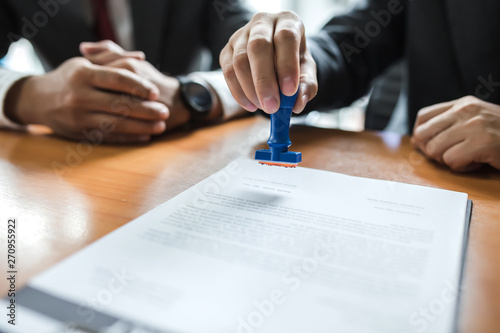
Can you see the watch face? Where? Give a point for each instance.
(198, 97)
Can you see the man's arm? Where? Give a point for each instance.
(349, 52)
(223, 19)
(8, 79)
(352, 49)
(78, 97)
(107, 53)
(8, 34)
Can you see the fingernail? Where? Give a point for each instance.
(159, 127)
(300, 105)
(270, 104)
(250, 107)
(305, 99)
(163, 110)
(288, 86)
(136, 54)
(84, 46)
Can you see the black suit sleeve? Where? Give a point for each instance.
(9, 30)
(224, 18)
(354, 48)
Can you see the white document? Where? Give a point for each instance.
(266, 249)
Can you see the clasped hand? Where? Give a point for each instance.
(107, 87)
(463, 134)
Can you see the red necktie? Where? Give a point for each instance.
(104, 27)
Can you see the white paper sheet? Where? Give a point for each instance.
(267, 249)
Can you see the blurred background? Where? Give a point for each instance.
(314, 13)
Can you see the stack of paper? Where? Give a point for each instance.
(266, 249)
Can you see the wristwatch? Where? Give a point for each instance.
(196, 97)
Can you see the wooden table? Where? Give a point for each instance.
(66, 194)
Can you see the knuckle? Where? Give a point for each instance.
(117, 77)
(225, 57)
(287, 34)
(119, 73)
(469, 108)
(467, 105)
(418, 134)
(300, 25)
(260, 16)
(258, 44)
(80, 70)
(237, 35)
(423, 111)
(432, 151)
(74, 122)
(72, 100)
(289, 14)
(77, 61)
(111, 77)
(308, 59)
(313, 89)
(108, 43)
(240, 60)
(224, 54)
(309, 82)
(478, 121)
(469, 99)
(418, 119)
(228, 71)
(310, 85)
(128, 63)
(422, 114)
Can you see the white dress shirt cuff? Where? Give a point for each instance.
(230, 108)
(7, 80)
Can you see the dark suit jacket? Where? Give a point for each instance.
(451, 48)
(172, 33)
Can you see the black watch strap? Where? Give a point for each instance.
(197, 98)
